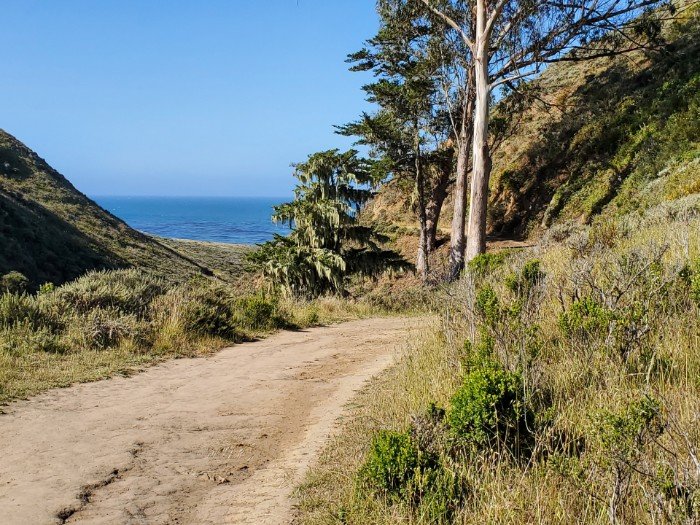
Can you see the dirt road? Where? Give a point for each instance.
(193, 441)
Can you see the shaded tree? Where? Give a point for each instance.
(409, 131)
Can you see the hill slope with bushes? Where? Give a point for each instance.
(559, 383)
(612, 136)
(608, 136)
(50, 232)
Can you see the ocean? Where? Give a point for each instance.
(237, 220)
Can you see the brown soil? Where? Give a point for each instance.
(203, 441)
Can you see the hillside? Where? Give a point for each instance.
(605, 137)
(609, 136)
(49, 231)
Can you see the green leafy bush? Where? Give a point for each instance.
(488, 406)
(485, 263)
(391, 463)
(46, 288)
(16, 308)
(623, 433)
(521, 283)
(13, 282)
(487, 305)
(24, 339)
(438, 492)
(256, 313)
(208, 310)
(129, 291)
(412, 468)
(585, 318)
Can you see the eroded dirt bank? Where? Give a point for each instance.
(194, 441)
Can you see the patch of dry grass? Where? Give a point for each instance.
(119, 322)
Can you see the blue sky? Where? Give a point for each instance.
(180, 97)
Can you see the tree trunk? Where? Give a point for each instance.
(422, 263)
(458, 237)
(476, 233)
(433, 208)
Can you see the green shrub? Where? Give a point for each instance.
(13, 282)
(129, 291)
(311, 316)
(22, 339)
(487, 305)
(521, 283)
(694, 281)
(391, 463)
(585, 318)
(208, 310)
(485, 263)
(532, 272)
(46, 288)
(16, 308)
(105, 328)
(412, 468)
(438, 492)
(255, 313)
(487, 407)
(622, 433)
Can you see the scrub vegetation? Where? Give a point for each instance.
(118, 321)
(559, 385)
(556, 381)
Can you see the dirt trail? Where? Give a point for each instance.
(193, 441)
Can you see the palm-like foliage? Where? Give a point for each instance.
(327, 245)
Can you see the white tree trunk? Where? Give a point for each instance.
(422, 259)
(422, 262)
(458, 237)
(476, 233)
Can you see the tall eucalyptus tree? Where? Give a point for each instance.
(511, 40)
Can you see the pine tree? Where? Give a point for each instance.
(408, 132)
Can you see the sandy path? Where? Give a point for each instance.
(193, 441)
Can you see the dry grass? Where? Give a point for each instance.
(119, 322)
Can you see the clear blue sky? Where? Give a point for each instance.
(180, 97)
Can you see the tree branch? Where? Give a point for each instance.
(449, 21)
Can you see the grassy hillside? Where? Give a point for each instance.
(559, 382)
(51, 232)
(605, 137)
(225, 261)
